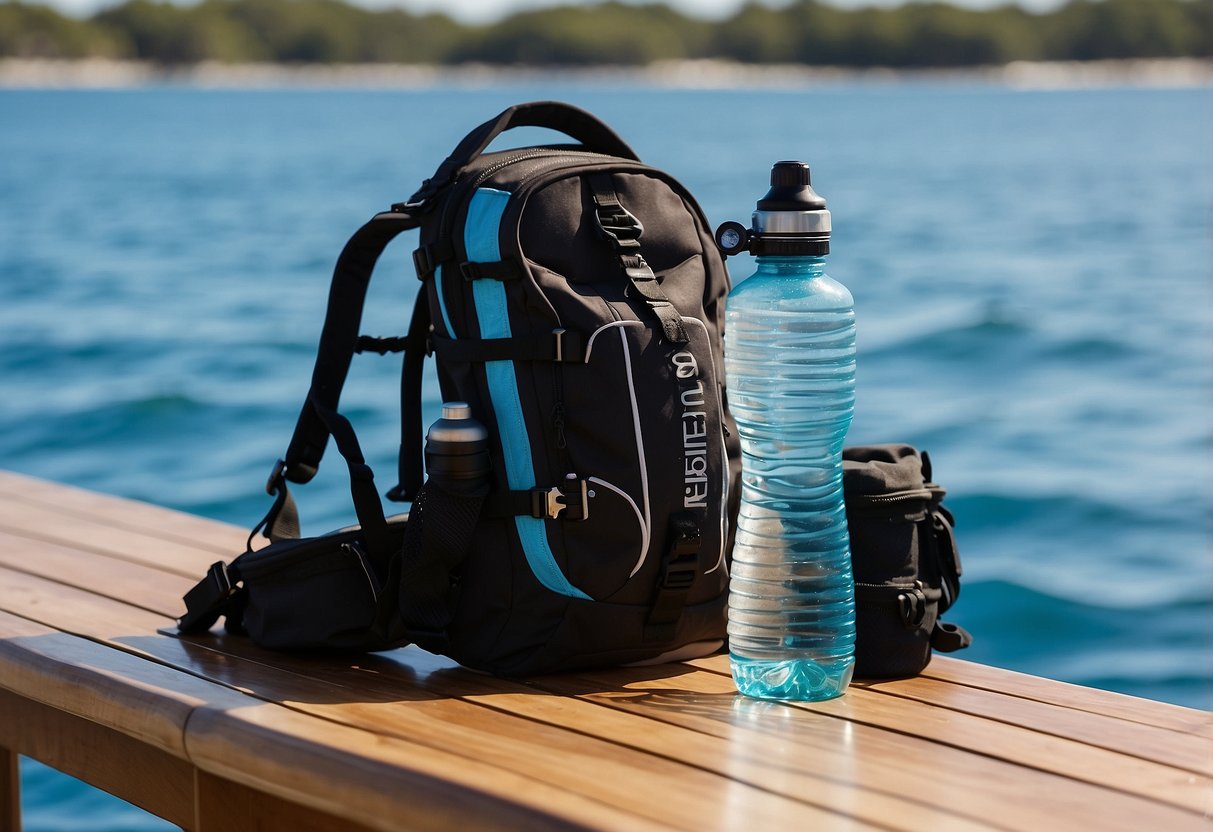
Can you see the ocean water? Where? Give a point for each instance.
(1031, 272)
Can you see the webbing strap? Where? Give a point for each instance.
(620, 227)
(560, 345)
(282, 520)
(362, 484)
(410, 467)
(679, 566)
(339, 338)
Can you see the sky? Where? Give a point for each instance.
(486, 11)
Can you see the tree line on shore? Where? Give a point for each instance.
(807, 32)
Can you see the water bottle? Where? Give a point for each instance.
(790, 366)
(457, 451)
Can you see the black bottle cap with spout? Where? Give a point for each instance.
(791, 220)
(791, 189)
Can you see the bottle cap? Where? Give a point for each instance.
(792, 218)
(456, 427)
(457, 448)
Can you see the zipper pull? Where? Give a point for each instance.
(558, 424)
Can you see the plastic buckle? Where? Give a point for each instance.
(470, 270)
(573, 503)
(913, 607)
(558, 333)
(679, 568)
(638, 269)
(423, 262)
(678, 572)
(618, 224)
(204, 602)
(276, 475)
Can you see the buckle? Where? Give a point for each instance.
(423, 262)
(204, 603)
(913, 607)
(558, 333)
(637, 268)
(276, 475)
(572, 500)
(617, 223)
(678, 573)
(681, 563)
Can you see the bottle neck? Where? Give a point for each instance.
(797, 265)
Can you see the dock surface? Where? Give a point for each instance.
(213, 733)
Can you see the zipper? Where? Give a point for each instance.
(896, 497)
(535, 153)
(900, 506)
(558, 414)
(558, 419)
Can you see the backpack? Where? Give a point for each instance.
(573, 299)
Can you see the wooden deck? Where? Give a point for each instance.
(214, 734)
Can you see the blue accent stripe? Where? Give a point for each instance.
(480, 238)
(441, 292)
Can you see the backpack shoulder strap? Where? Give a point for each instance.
(339, 339)
(417, 347)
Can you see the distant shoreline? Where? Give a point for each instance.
(697, 74)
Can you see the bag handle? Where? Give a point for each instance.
(554, 115)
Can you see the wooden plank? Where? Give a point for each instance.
(384, 782)
(145, 700)
(977, 787)
(1076, 697)
(1186, 751)
(727, 739)
(223, 806)
(108, 759)
(221, 739)
(10, 790)
(790, 788)
(166, 523)
(1024, 747)
(794, 755)
(446, 723)
(54, 525)
(101, 574)
(569, 762)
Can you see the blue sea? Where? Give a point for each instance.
(1031, 269)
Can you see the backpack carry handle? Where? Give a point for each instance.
(554, 115)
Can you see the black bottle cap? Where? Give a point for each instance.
(791, 189)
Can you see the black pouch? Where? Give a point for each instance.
(309, 593)
(312, 593)
(904, 559)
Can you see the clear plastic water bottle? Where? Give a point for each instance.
(790, 366)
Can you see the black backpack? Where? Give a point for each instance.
(574, 299)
